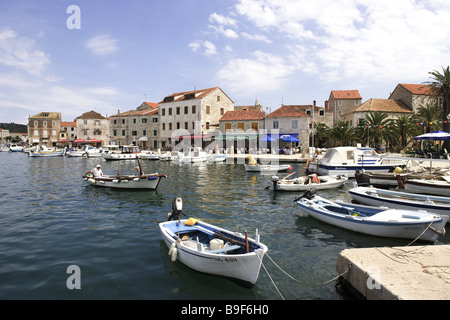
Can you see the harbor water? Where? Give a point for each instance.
(50, 219)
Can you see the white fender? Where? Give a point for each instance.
(174, 254)
(171, 248)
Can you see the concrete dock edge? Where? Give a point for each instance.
(398, 273)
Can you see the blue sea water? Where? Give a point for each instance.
(51, 219)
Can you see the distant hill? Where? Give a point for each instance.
(14, 127)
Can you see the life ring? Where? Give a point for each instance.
(315, 178)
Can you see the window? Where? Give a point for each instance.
(208, 109)
(144, 132)
(115, 121)
(44, 123)
(144, 120)
(241, 126)
(114, 133)
(275, 124)
(53, 132)
(178, 125)
(170, 111)
(254, 126)
(321, 113)
(84, 122)
(45, 134)
(186, 110)
(123, 121)
(186, 125)
(134, 133)
(134, 120)
(194, 109)
(123, 132)
(85, 132)
(97, 132)
(218, 98)
(170, 126)
(163, 112)
(222, 111)
(97, 122)
(207, 125)
(54, 123)
(178, 110)
(294, 124)
(36, 132)
(155, 132)
(164, 126)
(35, 123)
(155, 120)
(227, 126)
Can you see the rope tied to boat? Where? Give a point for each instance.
(296, 280)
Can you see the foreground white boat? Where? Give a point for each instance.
(304, 183)
(146, 181)
(212, 250)
(193, 155)
(15, 148)
(43, 151)
(401, 200)
(376, 221)
(346, 160)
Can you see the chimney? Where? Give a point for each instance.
(314, 104)
(118, 111)
(326, 104)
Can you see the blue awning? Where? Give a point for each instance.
(285, 137)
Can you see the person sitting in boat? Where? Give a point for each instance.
(140, 172)
(97, 171)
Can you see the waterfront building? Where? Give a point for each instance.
(92, 125)
(415, 95)
(342, 101)
(240, 128)
(191, 117)
(289, 120)
(68, 131)
(139, 127)
(44, 128)
(393, 109)
(4, 133)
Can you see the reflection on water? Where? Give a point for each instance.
(50, 219)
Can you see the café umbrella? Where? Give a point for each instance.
(436, 135)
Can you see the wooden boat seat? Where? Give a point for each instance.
(225, 249)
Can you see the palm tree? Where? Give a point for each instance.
(343, 134)
(440, 85)
(406, 128)
(380, 129)
(429, 115)
(322, 134)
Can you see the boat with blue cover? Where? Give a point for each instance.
(376, 221)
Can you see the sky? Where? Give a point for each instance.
(73, 56)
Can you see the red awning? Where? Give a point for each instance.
(194, 136)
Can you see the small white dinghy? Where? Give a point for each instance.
(309, 181)
(253, 166)
(212, 250)
(376, 221)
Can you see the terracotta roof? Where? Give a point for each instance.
(91, 115)
(243, 115)
(418, 88)
(382, 105)
(68, 124)
(51, 115)
(346, 94)
(289, 111)
(153, 105)
(187, 95)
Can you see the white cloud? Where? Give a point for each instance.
(256, 37)
(263, 72)
(371, 40)
(102, 45)
(209, 47)
(228, 33)
(222, 20)
(21, 53)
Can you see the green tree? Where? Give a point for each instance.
(322, 133)
(440, 85)
(342, 134)
(429, 116)
(406, 128)
(380, 129)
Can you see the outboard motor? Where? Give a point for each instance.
(177, 209)
(309, 194)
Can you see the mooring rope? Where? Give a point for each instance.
(305, 283)
(429, 226)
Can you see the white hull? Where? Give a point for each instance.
(401, 200)
(240, 267)
(392, 223)
(150, 182)
(436, 187)
(119, 156)
(266, 168)
(46, 154)
(326, 182)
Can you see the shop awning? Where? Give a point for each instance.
(285, 137)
